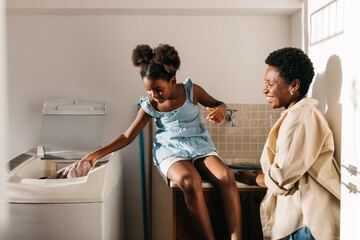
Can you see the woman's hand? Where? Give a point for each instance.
(246, 176)
(217, 113)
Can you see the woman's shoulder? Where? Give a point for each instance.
(306, 113)
(305, 107)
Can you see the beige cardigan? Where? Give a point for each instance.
(301, 174)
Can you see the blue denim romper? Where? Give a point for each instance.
(180, 133)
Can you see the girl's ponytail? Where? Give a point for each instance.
(160, 63)
(142, 54)
(168, 56)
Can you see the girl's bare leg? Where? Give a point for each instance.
(185, 175)
(216, 172)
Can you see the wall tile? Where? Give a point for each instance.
(247, 138)
(247, 131)
(262, 107)
(222, 138)
(255, 115)
(230, 138)
(254, 107)
(215, 138)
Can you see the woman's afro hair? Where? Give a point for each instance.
(292, 64)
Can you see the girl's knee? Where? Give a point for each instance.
(226, 178)
(189, 184)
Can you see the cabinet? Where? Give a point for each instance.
(183, 228)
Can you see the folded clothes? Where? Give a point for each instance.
(74, 170)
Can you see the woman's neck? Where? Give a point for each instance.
(294, 101)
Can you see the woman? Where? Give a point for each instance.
(299, 170)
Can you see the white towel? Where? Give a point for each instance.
(74, 170)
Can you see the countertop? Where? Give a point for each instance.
(207, 185)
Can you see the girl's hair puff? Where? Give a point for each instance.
(160, 63)
(142, 54)
(167, 56)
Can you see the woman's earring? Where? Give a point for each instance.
(291, 93)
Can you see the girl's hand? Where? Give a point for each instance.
(91, 157)
(217, 113)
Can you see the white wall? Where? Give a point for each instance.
(296, 29)
(88, 57)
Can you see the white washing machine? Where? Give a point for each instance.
(89, 207)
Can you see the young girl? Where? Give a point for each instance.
(183, 150)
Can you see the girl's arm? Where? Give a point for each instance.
(218, 108)
(121, 141)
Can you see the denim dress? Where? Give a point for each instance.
(180, 133)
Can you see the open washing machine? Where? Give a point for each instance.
(89, 207)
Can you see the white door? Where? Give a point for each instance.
(350, 154)
(350, 166)
(334, 47)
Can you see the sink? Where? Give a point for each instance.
(243, 163)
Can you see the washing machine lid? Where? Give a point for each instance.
(71, 128)
(74, 107)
